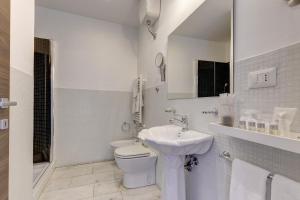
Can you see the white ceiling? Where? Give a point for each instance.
(119, 11)
(211, 21)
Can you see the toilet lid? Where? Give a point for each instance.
(132, 151)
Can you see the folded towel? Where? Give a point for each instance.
(135, 97)
(248, 182)
(135, 88)
(285, 189)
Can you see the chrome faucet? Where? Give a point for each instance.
(170, 110)
(183, 120)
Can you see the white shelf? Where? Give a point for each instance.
(284, 143)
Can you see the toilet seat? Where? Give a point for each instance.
(132, 151)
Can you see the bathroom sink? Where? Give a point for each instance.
(174, 144)
(170, 140)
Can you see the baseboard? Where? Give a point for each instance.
(41, 184)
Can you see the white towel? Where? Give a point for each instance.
(285, 189)
(135, 101)
(248, 182)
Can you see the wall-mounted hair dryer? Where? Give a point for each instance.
(149, 14)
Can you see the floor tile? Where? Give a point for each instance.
(58, 184)
(144, 193)
(94, 181)
(38, 171)
(87, 165)
(118, 174)
(106, 188)
(78, 193)
(112, 196)
(140, 191)
(141, 197)
(104, 167)
(71, 172)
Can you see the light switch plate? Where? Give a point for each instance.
(262, 78)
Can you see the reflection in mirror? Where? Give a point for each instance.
(200, 53)
(160, 63)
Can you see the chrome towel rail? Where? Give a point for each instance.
(226, 155)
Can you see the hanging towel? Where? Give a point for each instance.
(248, 182)
(137, 100)
(285, 189)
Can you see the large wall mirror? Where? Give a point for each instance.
(200, 53)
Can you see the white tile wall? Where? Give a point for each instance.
(86, 121)
(287, 91)
(213, 173)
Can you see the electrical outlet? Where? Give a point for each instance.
(262, 78)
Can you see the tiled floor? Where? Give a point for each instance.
(38, 171)
(97, 181)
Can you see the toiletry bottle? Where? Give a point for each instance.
(261, 127)
(226, 109)
(251, 125)
(284, 118)
(263, 121)
(274, 130)
(242, 124)
(251, 116)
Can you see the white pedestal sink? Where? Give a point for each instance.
(174, 144)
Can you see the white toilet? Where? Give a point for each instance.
(137, 162)
(123, 143)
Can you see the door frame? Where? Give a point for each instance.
(5, 6)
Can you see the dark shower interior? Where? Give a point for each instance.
(213, 78)
(42, 101)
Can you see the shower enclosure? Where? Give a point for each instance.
(42, 139)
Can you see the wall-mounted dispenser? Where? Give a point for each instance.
(149, 14)
(293, 2)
